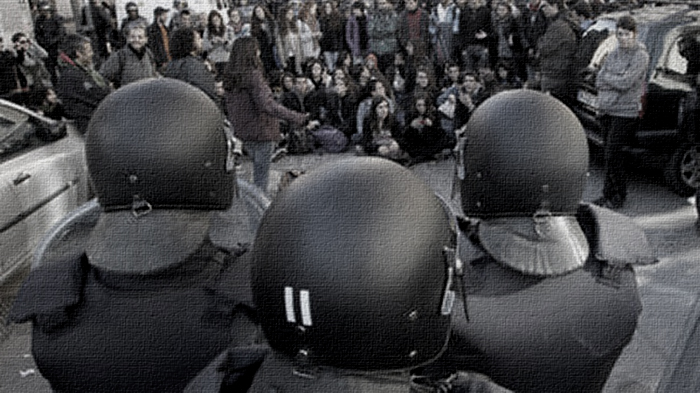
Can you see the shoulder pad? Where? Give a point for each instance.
(49, 291)
(614, 237)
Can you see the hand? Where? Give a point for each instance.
(480, 35)
(313, 124)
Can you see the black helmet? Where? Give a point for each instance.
(160, 160)
(161, 142)
(525, 153)
(351, 268)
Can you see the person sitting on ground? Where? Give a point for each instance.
(382, 135)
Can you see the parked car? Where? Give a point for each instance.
(661, 139)
(43, 177)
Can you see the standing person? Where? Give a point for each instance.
(187, 64)
(80, 87)
(262, 27)
(383, 33)
(217, 41)
(545, 272)
(506, 34)
(96, 23)
(252, 110)
(332, 33)
(444, 24)
(30, 59)
(238, 26)
(145, 300)
(620, 84)
(159, 38)
(556, 51)
(474, 29)
(356, 32)
(132, 62)
(310, 31)
(49, 31)
(132, 18)
(288, 40)
(413, 31)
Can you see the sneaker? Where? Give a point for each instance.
(278, 154)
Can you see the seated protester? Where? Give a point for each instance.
(506, 79)
(487, 77)
(376, 88)
(451, 76)
(187, 64)
(294, 90)
(470, 95)
(446, 104)
(145, 300)
(372, 231)
(382, 135)
(131, 63)
(423, 138)
(342, 102)
(402, 76)
(425, 84)
(316, 100)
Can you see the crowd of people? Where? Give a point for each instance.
(390, 78)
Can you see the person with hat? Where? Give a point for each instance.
(144, 300)
(549, 281)
(159, 38)
(353, 275)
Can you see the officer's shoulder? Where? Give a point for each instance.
(614, 237)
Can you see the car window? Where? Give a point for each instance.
(675, 63)
(19, 133)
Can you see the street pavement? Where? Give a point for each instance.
(669, 289)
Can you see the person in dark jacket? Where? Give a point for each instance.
(187, 65)
(332, 41)
(252, 110)
(159, 38)
(144, 300)
(413, 32)
(132, 62)
(80, 87)
(49, 31)
(549, 284)
(556, 50)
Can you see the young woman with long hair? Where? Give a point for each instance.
(252, 110)
(289, 41)
(262, 27)
(217, 41)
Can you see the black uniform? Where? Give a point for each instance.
(558, 333)
(99, 331)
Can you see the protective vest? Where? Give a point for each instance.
(551, 333)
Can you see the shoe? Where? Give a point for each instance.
(278, 154)
(609, 203)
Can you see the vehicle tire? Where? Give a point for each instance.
(682, 172)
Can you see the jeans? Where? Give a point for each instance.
(261, 153)
(619, 132)
(331, 58)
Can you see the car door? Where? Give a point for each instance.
(45, 180)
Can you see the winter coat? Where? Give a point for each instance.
(192, 70)
(620, 81)
(557, 49)
(126, 66)
(253, 112)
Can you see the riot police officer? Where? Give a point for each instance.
(549, 284)
(353, 267)
(146, 300)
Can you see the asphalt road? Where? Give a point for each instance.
(668, 289)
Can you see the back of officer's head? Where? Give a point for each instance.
(159, 161)
(350, 269)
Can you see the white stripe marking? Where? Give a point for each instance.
(289, 304)
(305, 307)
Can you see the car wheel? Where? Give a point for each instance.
(682, 171)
